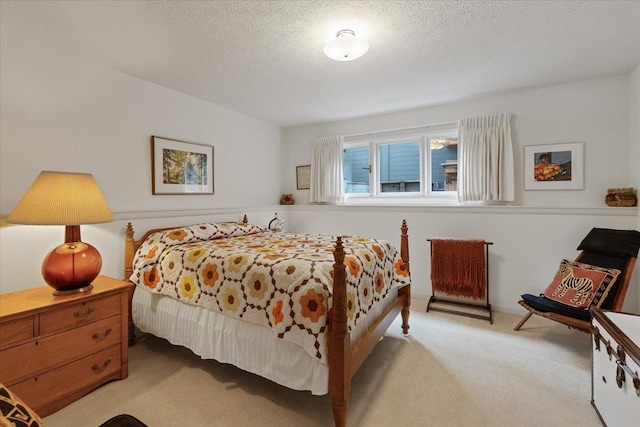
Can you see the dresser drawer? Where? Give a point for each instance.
(25, 360)
(79, 314)
(40, 391)
(16, 330)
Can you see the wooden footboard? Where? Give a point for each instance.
(344, 359)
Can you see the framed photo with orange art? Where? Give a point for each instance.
(179, 167)
(554, 166)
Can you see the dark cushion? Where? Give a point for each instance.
(546, 305)
(123, 421)
(612, 242)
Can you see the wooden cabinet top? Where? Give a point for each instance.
(20, 303)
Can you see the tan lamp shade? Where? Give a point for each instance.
(69, 199)
(62, 198)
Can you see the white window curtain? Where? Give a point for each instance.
(485, 159)
(326, 170)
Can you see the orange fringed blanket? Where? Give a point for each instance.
(458, 267)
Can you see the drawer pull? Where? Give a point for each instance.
(97, 337)
(596, 337)
(620, 379)
(80, 317)
(97, 369)
(609, 348)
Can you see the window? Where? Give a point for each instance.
(399, 167)
(401, 163)
(356, 168)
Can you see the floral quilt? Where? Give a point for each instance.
(279, 280)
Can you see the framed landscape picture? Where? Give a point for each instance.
(554, 166)
(179, 167)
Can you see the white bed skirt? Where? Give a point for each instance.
(211, 335)
(251, 347)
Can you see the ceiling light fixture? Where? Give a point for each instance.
(346, 46)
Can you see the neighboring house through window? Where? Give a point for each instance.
(404, 163)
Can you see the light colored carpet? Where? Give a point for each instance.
(450, 371)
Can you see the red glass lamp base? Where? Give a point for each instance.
(71, 267)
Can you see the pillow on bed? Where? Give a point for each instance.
(150, 250)
(581, 285)
(211, 231)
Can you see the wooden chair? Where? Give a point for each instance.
(602, 247)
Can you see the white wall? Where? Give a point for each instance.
(528, 242)
(634, 134)
(634, 126)
(62, 113)
(594, 112)
(530, 238)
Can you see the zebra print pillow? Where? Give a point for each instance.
(581, 285)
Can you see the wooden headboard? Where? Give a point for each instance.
(131, 245)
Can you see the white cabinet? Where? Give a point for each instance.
(616, 368)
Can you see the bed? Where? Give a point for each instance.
(302, 310)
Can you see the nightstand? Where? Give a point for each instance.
(56, 349)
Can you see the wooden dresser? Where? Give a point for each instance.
(56, 349)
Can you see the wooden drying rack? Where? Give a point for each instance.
(489, 316)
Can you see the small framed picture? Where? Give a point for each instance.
(554, 166)
(303, 177)
(179, 167)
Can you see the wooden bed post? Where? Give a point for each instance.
(129, 251)
(339, 341)
(406, 291)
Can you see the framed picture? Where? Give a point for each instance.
(554, 167)
(179, 167)
(303, 177)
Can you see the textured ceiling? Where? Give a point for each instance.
(265, 59)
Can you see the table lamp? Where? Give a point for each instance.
(69, 199)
